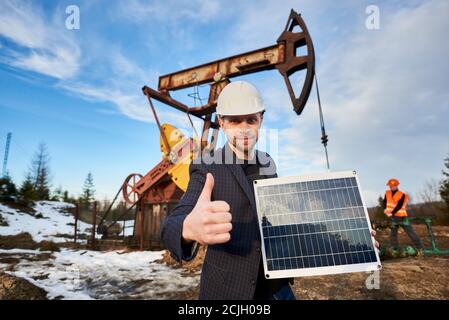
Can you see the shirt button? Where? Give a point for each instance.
(253, 282)
(257, 249)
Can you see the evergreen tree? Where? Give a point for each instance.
(88, 189)
(444, 186)
(8, 190)
(65, 196)
(27, 192)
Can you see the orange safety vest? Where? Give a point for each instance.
(392, 201)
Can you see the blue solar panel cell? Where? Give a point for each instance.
(314, 223)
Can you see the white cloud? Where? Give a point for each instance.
(387, 97)
(130, 104)
(168, 21)
(384, 92)
(60, 63)
(121, 87)
(44, 47)
(109, 76)
(197, 11)
(260, 25)
(22, 24)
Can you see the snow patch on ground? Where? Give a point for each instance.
(22, 251)
(54, 221)
(83, 274)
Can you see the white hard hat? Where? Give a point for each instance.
(239, 98)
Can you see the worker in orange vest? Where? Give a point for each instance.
(395, 202)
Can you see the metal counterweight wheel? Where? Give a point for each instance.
(129, 192)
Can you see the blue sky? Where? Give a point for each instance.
(384, 92)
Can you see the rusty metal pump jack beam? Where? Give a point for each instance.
(281, 56)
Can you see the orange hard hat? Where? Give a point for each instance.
(393, 182)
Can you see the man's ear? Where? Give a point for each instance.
(220, 122)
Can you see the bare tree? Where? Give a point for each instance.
(40, 172)
(430, 193)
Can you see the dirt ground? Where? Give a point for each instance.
(25, 241)
(401, 278)
(441, 234)
(14, 288)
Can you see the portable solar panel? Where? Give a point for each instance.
(314, 225)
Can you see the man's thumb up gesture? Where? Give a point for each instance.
(210, 221)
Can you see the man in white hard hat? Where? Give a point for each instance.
(218, 208)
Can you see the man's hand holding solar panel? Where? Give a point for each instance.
(210, 221)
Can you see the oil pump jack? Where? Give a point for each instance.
(154, 194)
